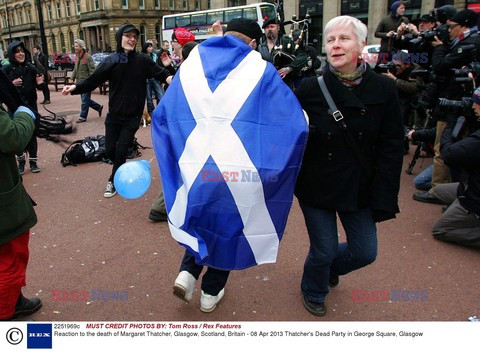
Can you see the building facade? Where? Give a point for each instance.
(96, 21)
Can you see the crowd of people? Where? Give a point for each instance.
(361, 121)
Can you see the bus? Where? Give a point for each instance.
(200, 22)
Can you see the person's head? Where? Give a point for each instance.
(17, 52)
(427, 22)
(444, 13)
(147, 48)
(345, 38)
(462, 21)
(271, 28)
(187, 48)
(476, 101)
(398, 8)
(165, 45)
(127, 37)
(402, 62)
(247, 30)
(37, 49)
(79, 46)
(180, 37)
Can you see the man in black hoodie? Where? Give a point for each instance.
(27, 78)
(127, 70)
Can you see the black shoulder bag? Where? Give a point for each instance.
(338, 117)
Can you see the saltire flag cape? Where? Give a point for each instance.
(229, 137)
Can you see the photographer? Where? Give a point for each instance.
(463, 33)
(417, 40)
(386, 30)
(460, 223)
(400, 70)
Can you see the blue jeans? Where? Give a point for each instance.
(423, 181)
(153, 86)
(327, 255)
(88, 103)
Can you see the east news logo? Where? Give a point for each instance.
(39, 335)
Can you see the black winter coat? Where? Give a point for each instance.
(464, 155)
(331, 177)
(443, 61)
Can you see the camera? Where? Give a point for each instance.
(429, 35)
(385, 68)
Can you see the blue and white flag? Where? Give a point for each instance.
(229, 137)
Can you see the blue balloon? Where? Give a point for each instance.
(132, 179)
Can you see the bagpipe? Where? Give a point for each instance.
(285, 53)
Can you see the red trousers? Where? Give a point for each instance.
(13, 265)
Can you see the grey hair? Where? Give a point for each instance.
(359, 28)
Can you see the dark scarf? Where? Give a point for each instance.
(353, 79)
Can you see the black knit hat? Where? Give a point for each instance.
(427, 18)
(466, 18)
(245, 26)
(268, 21)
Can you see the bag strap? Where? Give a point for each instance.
(338, 117)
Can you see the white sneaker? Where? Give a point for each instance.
(110, 190)
(184, 286)
(208, 303)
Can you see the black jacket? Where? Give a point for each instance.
(443, 61)
(331, 177)
(26, 71)
(464, 155)
(127, 74)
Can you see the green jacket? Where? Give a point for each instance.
(16, 208)
(84, 67)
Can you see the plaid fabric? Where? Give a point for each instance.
(463, 35)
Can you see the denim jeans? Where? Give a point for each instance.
(88, 103)
(153, 86)
(214, 280)
(327, 256)
(423, 181)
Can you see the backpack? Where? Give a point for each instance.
(52, 125)
(84, 150)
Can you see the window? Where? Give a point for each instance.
(141, 4)
(158, 33)
(20, 17)
(209, 4)
(199, 20)
(72, 41)
(49, 12)
(54, 43)
(78, 7)
(157, 5)
(250, 13)
(185, 4)
(12, 19)
(197, 5)
(96, 5)
(62, 42)
(170, 22)
(231, 14)
(143, 35)
(171, 4)
(67, 8)
(29, 16)
(125, 4)
(59, 13)
(213, 17)
(183, 21)
(81, 35)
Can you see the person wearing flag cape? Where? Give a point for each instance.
(229, 137)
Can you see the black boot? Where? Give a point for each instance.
(26, 306)
(33, 165)
(21, 164)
